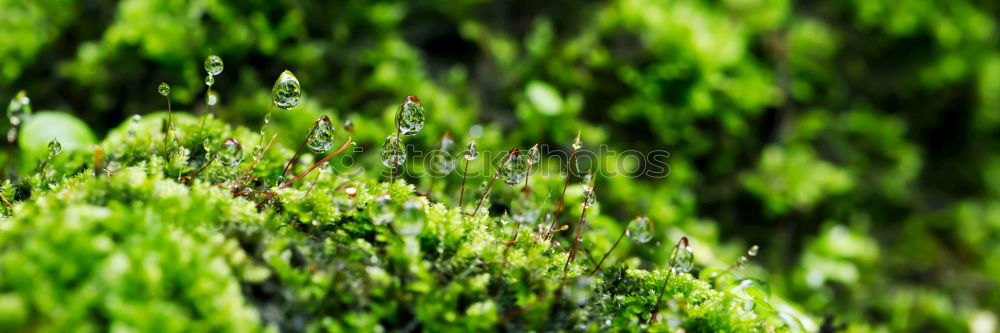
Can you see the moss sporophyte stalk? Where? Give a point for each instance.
(244, 241)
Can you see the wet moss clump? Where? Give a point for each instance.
(131, 234)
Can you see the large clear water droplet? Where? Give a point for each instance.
(471, 152)
(410, 118)
(231, 153)
(19, 109)
(212, 98)
(534, 155)
(411, 222)
(515, 169)
(577, 143)
(321, 139)
(213, 65)
(54, 148)
(209, 80)
(393, 153)
(640, 230)
(163, 89)
(286, 92)
(683, 257)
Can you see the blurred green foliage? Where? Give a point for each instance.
(853, 140)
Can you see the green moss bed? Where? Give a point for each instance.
(115, 237)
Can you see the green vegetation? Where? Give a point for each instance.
(853, 141)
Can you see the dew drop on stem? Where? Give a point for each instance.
(514, 169)
(231, 153)
(286, 92)
(393, 153)
(213, 65)
(54, 148)
(471, 152)
(163, 89)
(321, 139)
(410, 118)
(683, 257)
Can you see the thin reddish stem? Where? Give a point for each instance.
(562, 196)
(246, 174)
(305, 173)
(495, 175)
(670, 272)
(465, 174)
(298, 151)
(606, 254)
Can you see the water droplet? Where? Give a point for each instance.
(393, 153)
(411, 222)
(207, 145)
(19, 109)
(683, 257)
(515, 169)
(382, 212)
(534, 155)
(213, 65)
(640, 230)
(471, 152)
(163, 89)
(209, 80)
(286, 92)
(54, 148)
(321, 139)
(577, 144)
(504, 219)
(589, 198)
(212, 98)
(410, 118)
(231, 153)
(349, 126)
(588, 182)
(753, 251)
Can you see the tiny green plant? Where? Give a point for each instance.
(558, 207)
(164, 90)
(639, 230)
(470, 154)
(681, 261)
(409, 122)
(512, 167)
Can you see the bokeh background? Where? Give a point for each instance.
(855, 141)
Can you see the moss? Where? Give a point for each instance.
(152, 244)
